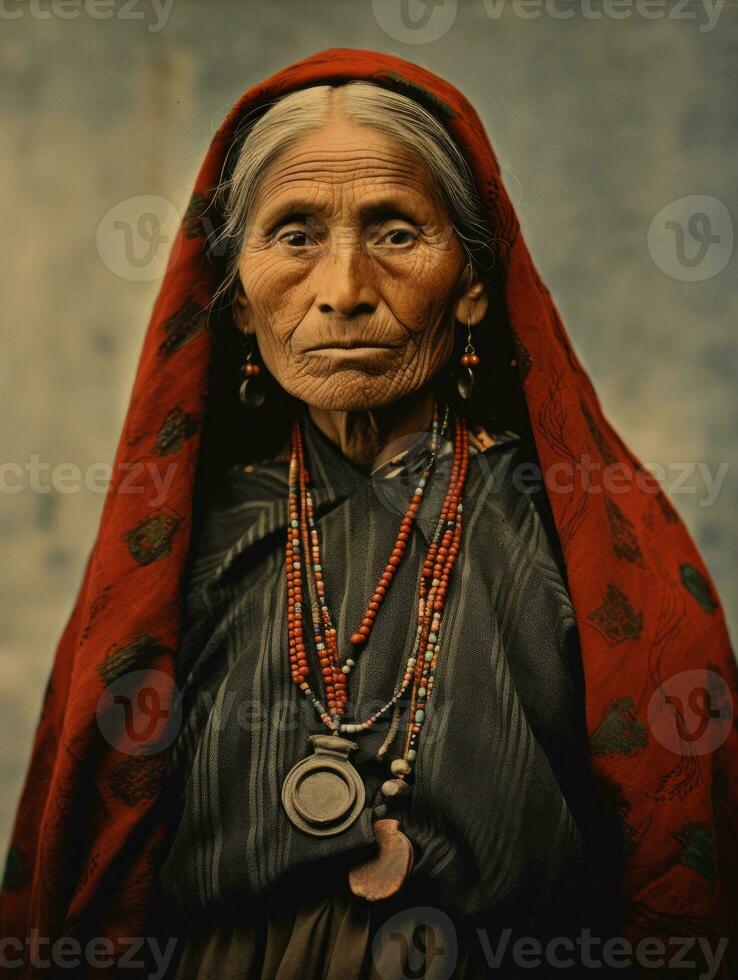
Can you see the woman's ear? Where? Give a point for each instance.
(472, 304)
(241, 310)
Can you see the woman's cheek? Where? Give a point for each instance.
(260, 279)
(431, 277)
(422, 308)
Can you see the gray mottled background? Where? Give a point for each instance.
(600, 122)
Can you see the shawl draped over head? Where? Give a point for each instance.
(88, 836)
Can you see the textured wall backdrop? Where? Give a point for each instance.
(603, 115)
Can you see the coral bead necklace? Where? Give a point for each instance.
(323, 793)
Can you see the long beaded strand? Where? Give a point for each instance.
(334, 674)
(432, 588)
(445, 546)
(437, 567)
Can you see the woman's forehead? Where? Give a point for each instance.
(345, 160)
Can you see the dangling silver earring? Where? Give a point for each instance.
(468, 360)
(251, 391)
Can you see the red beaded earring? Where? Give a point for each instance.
(469, 360)
(251, 391)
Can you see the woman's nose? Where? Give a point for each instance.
(345, 284)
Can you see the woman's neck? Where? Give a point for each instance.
(369, 437)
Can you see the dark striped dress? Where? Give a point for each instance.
(500, 802)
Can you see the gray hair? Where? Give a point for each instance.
(304, 111)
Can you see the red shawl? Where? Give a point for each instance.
(88, 836)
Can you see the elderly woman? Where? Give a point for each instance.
(410, 687)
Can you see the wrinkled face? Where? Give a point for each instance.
(350, 270)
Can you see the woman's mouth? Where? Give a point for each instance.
(352, 351)
(351, 346)
(359, 353)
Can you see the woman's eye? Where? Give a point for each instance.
(294, 238)
(398, 236)
(297, 232)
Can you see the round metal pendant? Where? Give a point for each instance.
(323, 794)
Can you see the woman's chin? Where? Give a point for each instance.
(350, 391)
